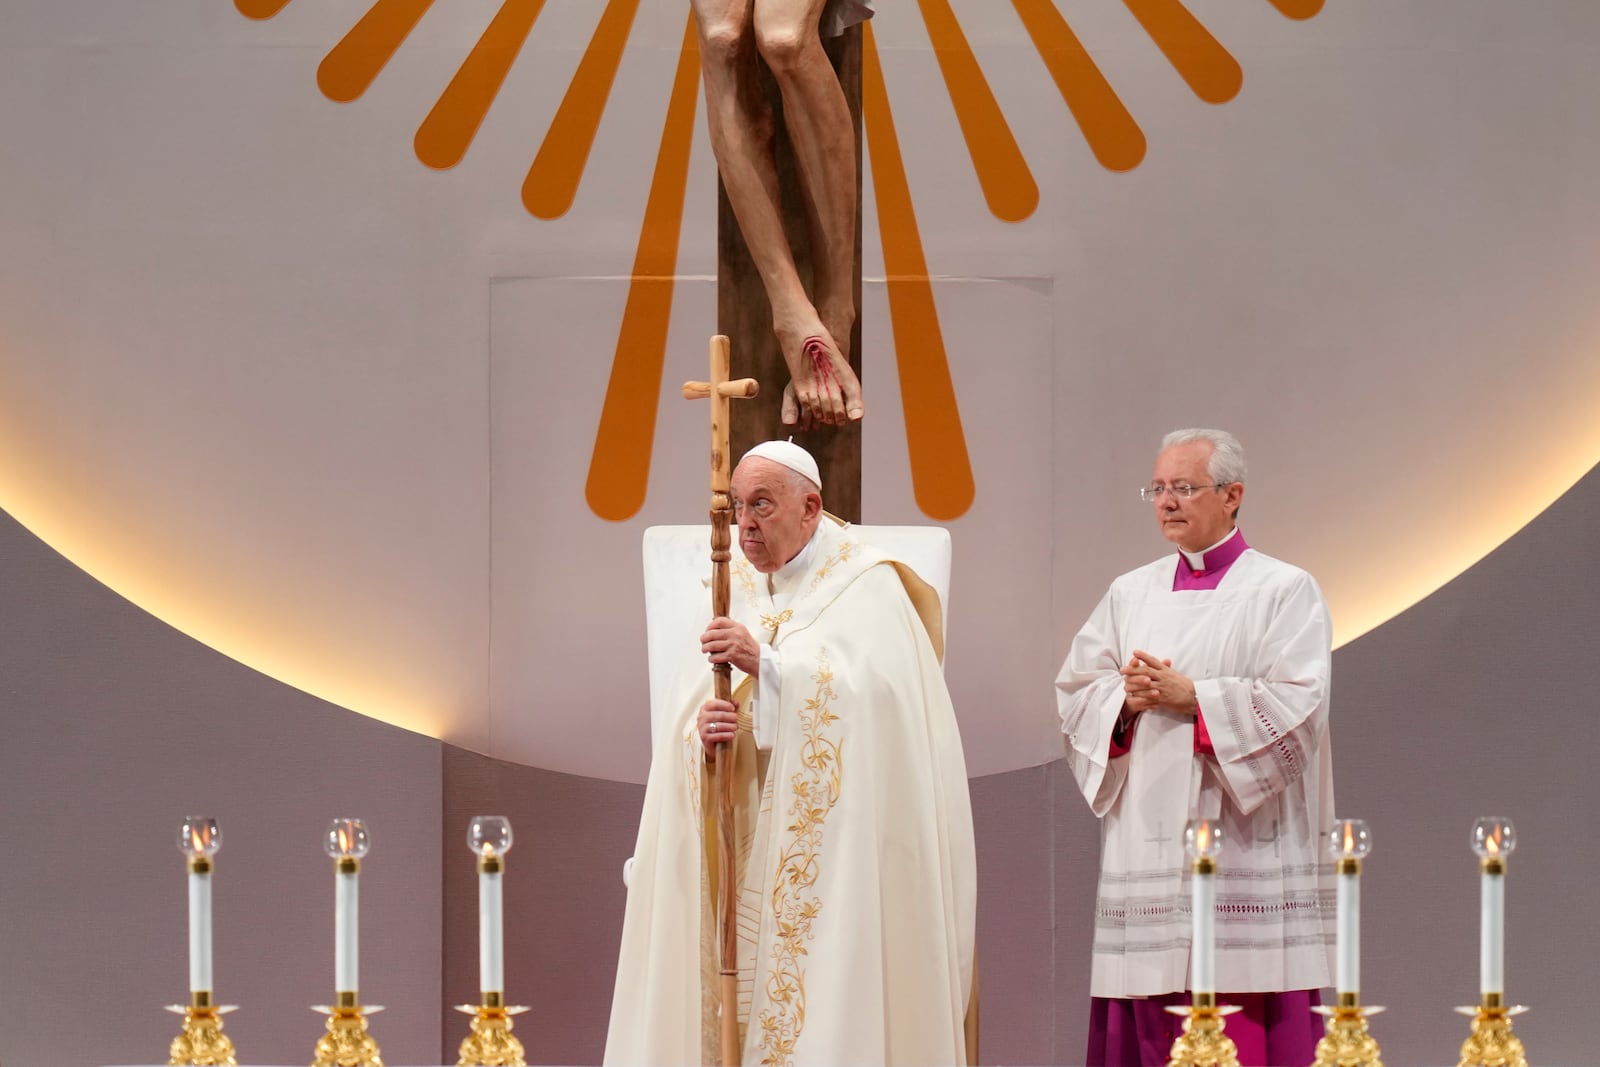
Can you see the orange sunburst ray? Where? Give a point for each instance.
(260, 9)
(1298, 9)
(941, 470)
(355, 61)
(444, 136)
(1199, 59)
(552, 182)
(1007, 183)
(619, 469)
(1111, 132)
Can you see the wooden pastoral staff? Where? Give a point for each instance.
(719, 390)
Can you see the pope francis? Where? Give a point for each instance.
(854, 852)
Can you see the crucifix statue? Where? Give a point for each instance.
(784, 126)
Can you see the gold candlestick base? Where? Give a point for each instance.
(347, 1042)
(1492, 1043)
(1347, 1042)
(491, 1043)
(201, 1043)
(1203, 1043)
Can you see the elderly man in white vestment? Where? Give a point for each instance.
(1199, 689)
(854, 840)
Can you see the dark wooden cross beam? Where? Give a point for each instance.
(744, 315)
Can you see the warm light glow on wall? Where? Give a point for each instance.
(144, 575)
(1497, 508)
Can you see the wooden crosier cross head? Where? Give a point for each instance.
(719, 390)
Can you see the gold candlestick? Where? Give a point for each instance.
(1347, 1042)
(491, 1043)
(347, 1042)
(1492, 1044)
(1202, 1043)
(201, 1043)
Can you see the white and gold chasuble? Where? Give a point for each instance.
(855, 853)
(1258, 650)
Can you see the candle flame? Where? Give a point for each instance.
(1491, 843)
(1349, 839)
(1203, 836)
(344, 841)
(197, 839)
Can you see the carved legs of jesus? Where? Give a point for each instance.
(814, 337)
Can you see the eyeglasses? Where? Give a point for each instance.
(1182, 491)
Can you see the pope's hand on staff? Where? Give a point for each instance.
(726, 641)
(718, 721)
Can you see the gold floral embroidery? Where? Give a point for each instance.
(846, 550)
(772, 622)
(696, 756)
(815, 790)
(741, 569)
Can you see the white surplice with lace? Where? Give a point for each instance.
(1258, 650)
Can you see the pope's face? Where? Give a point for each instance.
(1206, 517)
(775, 518)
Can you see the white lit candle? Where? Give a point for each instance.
(489, 837)
(1492, 933)
(1493, 839)
(1352, 842)
(491, 931)
(347, 842)
(1205, 932)
(1203, 841)
(199, 925)
(199, 838)
(347, 929)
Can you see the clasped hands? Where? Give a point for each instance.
(1149, 682)
(725, 641)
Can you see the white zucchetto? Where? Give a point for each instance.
(790, 455)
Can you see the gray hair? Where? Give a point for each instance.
(1226, 465)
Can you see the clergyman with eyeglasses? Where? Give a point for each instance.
(1199, 689)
